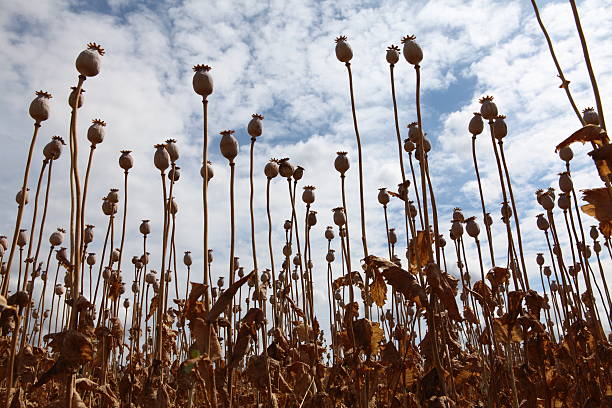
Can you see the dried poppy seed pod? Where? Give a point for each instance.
(409, 146)
(96, 132)
(271, 169)
(458, 215)
(393, 54)
(202, 80)
(106, 274)
(392, 236)
(53, 149)
(187, 258)
(285, 168)
(344, 53)
(19, 197)
(594, 233)
(295, 276)
(411, 50)
(174, 174)
(91, 259)
(210, 170)
(168, 276)
(500, 129)
(228, 145)
(308, 195)
(4, 242)
(287, 225)
(113, 196)
(126, 303)
(488, 220)
(287, 249)
(115, 255)
(172, 150)
(330, 257)
(220, 282)
(341, 163)
(73, 95)
(145, 227)
(590, 116)
(488, 109)
(506, 212)
(412, 210)
(540, 259)
(161, 158)
(265, 277)
(156, 286)
(241, 272)
(59, 290)
(39, 107)
(476, 125)
(126, 161)
(135, 287)
(565, 182)
(297, 259)
(596, 247)
(172, 206)
(414, 134)
(61, 255)
(426, 144)
(329, 233)
(150, 277)
(22, 238)
(472, 228)
(88, 62)
(312, 218)
(456, 229)
(566, 154)
(554, 286)
(339, 216)
(564, 201)
(57, 237)
(236, 263)
(546, 201)
(298, 173)
(383, 196)
(542, 222)
(441, 241)
(255, 126)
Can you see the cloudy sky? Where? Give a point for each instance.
(277, 58)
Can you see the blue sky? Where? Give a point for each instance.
(277, 58)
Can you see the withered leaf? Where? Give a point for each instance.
(345, 280)
(440, 283)
(378, 290)
(498, 276)
(226, 297)
(400, 279)
(588, 133)
(368, 335)
(599, 204)
(245, 334)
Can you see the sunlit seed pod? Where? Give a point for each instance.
(456, 229)
(135, 287)
(285, 168)
(19, 196)
(73, 95)
(107, 207)
(228, 145)
(255, 126)
(144, 258)
(587, 251)
(565, 182)
(308, 195)
(393, 54)
(344, 53)
(590, 116)
(282, 275)
(329, 233)
(271, 169)
(96, 132)
(61, 255)
(411, 50)
(542, 222)
(341, 163)
(472, 227)
(22, 238)
(172, 150)
(458, 215)
(172, 206)
(115, 255)
(414, 134)
(57, 237)
(476, 125)
(506, 212)
(383, 196)
(566, 154)
(392, 236)
(88, 61)
(330, 257)
(298, 173)
(412, 210)
(339, 216)
(312, 218)
(427, 145)
(488, 109)
(145, 227)
(126, 161)
(297, 260)
(113, 196)
(500, 129)
(265, 277)
(547, 202)
(187, 258)
(564, 201)
(35, 314)
(106, 273)
(540, 259)
(53, 149)
(40, 107)
(161, 158)
(202, 80)
(91, 259)
(295, 276)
